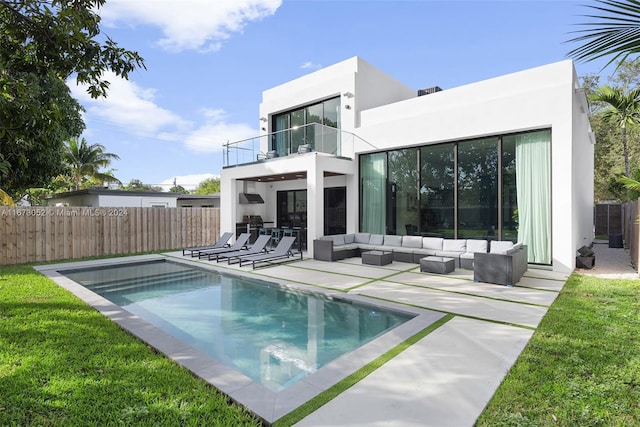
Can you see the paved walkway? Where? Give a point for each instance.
(611, 263)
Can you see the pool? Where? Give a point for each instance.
(295, 365)
(275, 336)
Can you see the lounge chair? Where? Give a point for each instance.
(240, 243)
(221, 243)
(283, 250)
(260, 245)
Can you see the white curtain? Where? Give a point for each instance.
(373, 208)
(533, 184)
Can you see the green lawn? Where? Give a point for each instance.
(64, 364)
(582, 366)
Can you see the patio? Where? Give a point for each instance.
(447, 378)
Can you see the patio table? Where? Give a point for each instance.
(377, 257)
(437, 264)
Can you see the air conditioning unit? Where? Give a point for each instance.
(429, 90)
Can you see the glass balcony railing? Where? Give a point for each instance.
(296, 140)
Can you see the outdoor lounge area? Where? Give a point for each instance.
(499, 262)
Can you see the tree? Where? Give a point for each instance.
(36, 115)
(615, 32)
(178, 189)
(85, 160)
(208, 186)
(42, 44)
(59, 36)
(137, 185)
(623, 110)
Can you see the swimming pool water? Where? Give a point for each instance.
(271, 334)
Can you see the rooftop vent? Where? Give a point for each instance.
(429, 90)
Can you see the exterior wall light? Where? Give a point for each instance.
(263, 119)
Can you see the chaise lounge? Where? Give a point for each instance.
(240, 243)
(259, 246)
(221, 243)
(281, 251)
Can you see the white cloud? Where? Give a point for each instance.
(190, 24)
(130, 107)
(215, 132)
(133, 110)
(189, 182)
(310, 66)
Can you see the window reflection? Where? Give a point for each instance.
(457, 188)
(437, 190)
(478, 188)
(402, 199)
(295, 128)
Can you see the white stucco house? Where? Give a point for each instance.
(98, 197)
(350, 149)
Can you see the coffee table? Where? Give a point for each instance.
(437, 264)
(377, 257)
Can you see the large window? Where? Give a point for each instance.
(402, 196)
(478, 188)
(490, 188)
(437, 190)
(292, 208)
(298, 127)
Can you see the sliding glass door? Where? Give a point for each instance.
(495, 188)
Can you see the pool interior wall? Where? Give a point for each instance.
(268, 404)
(274, 335)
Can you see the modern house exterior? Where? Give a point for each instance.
(350, 149)
(98, 198)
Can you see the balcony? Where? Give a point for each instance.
(292, 141)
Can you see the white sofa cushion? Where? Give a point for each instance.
(474, 245)
(349, 238)
(411, 241)
(454, 245)
(362, 237)
(500, 246)
(434, 243)
(338, 239)
(390, 240)
(376, 239)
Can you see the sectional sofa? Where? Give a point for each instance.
(494, 261)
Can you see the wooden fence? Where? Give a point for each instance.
(41, 234)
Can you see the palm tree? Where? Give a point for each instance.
(622, 110)
(616, 31)
(85, 160)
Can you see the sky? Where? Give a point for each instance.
(208, 62)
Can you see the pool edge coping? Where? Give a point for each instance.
(258, 399)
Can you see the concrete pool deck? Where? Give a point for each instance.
(448, 377)
(445, 379)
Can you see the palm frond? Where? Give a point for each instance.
(630, 183)
(5, 200)
(616, 32)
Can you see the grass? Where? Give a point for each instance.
(64, 364)
(582, 365)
